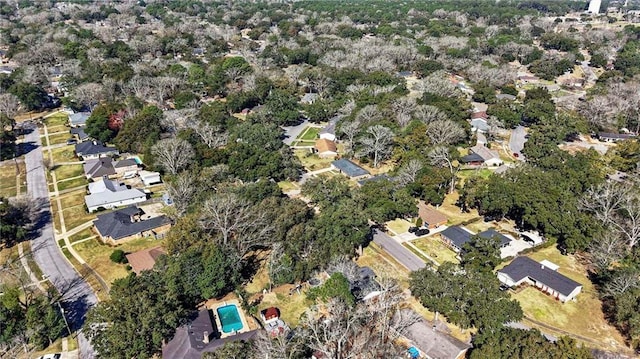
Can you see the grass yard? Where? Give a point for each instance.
(85, 233)
(64, 172)
(59, 138)
(398, 226)
(384, 265)
(583, 317)
(303, 143)
(55, 217)
(97, 255)
(311, 161)
(64, 154)
(72, 199)
(449, 209)
(72, 183)
(467, 173)
(57, 130)
(286, 186)
(309, 134)
(435, 248)
(8, 180)
(57, 119)
(291, 306)
(75, 216)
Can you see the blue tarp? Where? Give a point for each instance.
(415, 354)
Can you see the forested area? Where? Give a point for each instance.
(202, 90)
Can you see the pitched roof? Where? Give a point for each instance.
(349, 168)
(616, 136)
(125, 163)
(106, 197)
(474, 157)
(144, 259)
(480, 124)
(93, 148)
(187, 343)
(79, 118)
(330, 128)
(484, 152)
(479, 114)
(492, 233)
(79, 131)
(106, 185)
(458, 235)
(324, 145)
(432, 342)
(119, 224)
(99, 167)
(429, 215)
(523, 267)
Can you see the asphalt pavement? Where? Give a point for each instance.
(517, 140)
(77, 295)
(398, 251)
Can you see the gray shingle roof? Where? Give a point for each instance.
(79, 131)
(349, 168)
(523, 267)
(458, 235)
(91, 148)
(118, 224)
(79, 118)
(492, 233)
(99, 167)
(432, 342)
(474, 157)
(125, 163)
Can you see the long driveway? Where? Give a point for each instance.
(77, 295)
(517, 140)
(398, 251)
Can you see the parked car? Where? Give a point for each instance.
(516, 155)
(422, 232)
(503, 287)
(413, 229)
(71, 141)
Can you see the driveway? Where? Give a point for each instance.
(398, 251)
(292, 132)
(517, 140)
(77, 295)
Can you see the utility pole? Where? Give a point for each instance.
(64, 317)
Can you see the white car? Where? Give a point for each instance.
(51, 356)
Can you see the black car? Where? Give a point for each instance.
(71, 141)
(413, 229)
(422, 232)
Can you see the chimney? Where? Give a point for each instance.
(542, 266)
(95, 143)
(205, 338)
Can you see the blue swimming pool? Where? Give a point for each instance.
(137, 159)
(229, 318)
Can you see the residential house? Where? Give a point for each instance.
(543, 275)
(94, 149)
(309, 98)
(492, 233)
(199, 336)
(490, 158)
(614, 137)
(329, 131)
(349, 169)
(109, 194)
(78, 119)
(431, 218)
(149, 178)
(472, 159)
(480, 125)
(429, 340)
(126, 168)
(456, 237)
(144, 259)
(528, 79)
(79, 133)
(97, 168)
(130, 223)
(325, 148)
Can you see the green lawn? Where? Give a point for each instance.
(96, 254)
(57, 130)
(286, 186)
(303, 143)
(72, 183)
(8, 180)
(85, 233)
(399, 226)
(311, 161)
(435, 248)
(57, 119)
(64, 172)
(74, 198)
(75, 216)
(59, 138)
(309, 134)
(467, 173)
(64, 154)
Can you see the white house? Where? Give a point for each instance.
(543, 275)
(149, 178)
(110, 194)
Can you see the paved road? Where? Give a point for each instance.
(292, 132)
(77, 295)
(517, 140)
(398, 251)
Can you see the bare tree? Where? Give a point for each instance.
(89, 94)
(350, 130)
(9, 106)
(606, 251)
(622, 281)
(173, 154)
(403, 108)
(280, 346)
(240, 225)
(627, 222)
(444, 132)
(605, 200)
(441, 157)
(409, 172)
(428, 114)
(182, 190)
(212, 136)
(377, 143)
(369, 113)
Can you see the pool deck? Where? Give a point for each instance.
(214, 306)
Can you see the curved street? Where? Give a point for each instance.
(77, 295)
